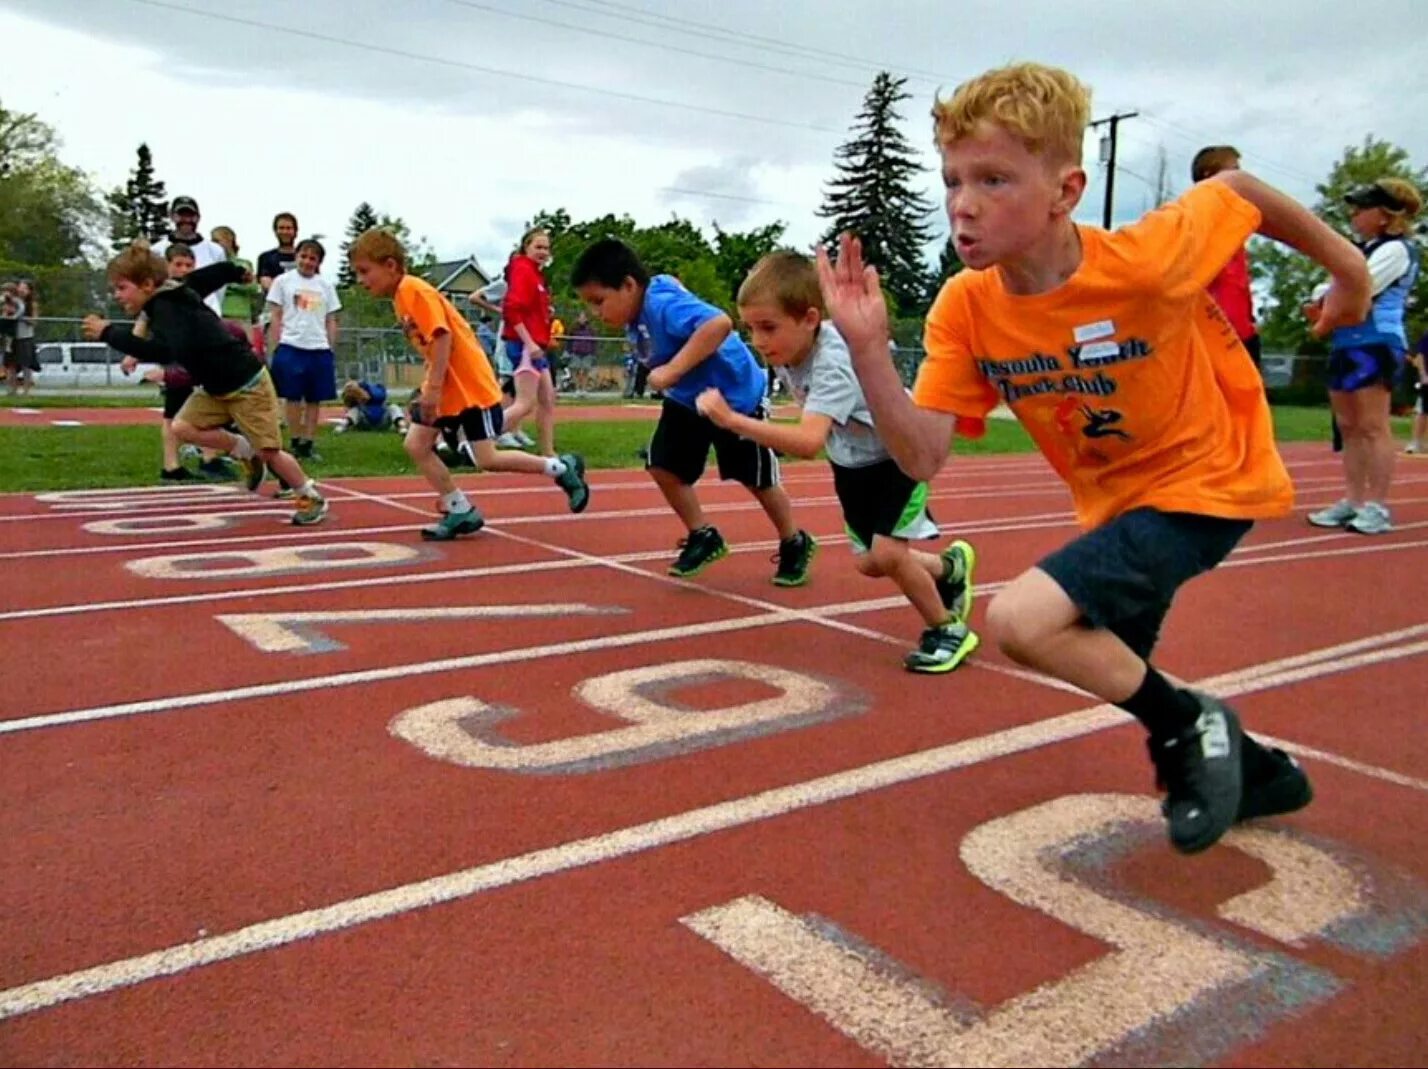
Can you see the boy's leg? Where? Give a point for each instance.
(255, 412)
(677, 454)
(946, 641)
(756, 466)
(483, 429)
(1090, 614)
(461, 516)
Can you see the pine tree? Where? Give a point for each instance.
(140, 209)
(363, 219)
(873, 195)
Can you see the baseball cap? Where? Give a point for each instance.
(180, 204)
(1374, 196)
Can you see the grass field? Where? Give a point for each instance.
(67, 458)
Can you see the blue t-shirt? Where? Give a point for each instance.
(376, 407)
(668, 318)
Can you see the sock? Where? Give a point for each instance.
(455, 502)
(555, 467)
(242, 448)
(1162, 708)
(308, 489)
(797, 535)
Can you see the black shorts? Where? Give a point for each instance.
(881, 499)
(681, 447)
(1123, 575)
(478, 424)
(174, 397)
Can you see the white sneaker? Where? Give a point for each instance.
(1373, 518)
(1339, 514)
(508, 441)
(525, 440)
(1412, 447)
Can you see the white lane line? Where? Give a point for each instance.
(617, 844)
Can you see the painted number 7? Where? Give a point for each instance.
(1135, 1005)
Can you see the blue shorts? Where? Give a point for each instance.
(1123, 575)
(1364, 365)
(514, 353)
(304, 374)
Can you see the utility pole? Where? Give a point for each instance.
(1108, 157)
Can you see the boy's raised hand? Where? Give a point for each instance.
(854, 296)
(93, 327)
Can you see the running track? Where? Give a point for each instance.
(275, 796)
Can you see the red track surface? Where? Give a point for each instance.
(221, 846)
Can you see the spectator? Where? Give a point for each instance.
(183, 213)
(26, 357)
(303, 307)
(489, 298)
(240, 299)
(527, 315)
(1231, 287)
(276, 261)
(580, 351)
(10, 310)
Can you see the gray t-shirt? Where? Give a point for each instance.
(825, 383)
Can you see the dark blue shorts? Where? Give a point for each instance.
(514, 352)
(1364, 365)
(1123, 575)
(304, 374)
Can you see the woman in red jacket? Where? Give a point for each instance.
(526, 335)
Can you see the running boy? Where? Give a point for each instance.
(689, 346)
(882, 508)
(1110, 352)
(459, 390)
(302, 334)
(176, 327)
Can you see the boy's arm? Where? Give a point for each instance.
(332, 331)
(803, 439)
(917, 438)
(702, 344)
(206, 280)
(1286, 220)
(440, 354)
(124, 339)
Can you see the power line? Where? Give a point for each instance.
(313, 35)
(663, 47)
(1200, 138)
(630, 13)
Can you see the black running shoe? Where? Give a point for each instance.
(942, 649)
(572, 481)
(794, 558)
(1280, 787)
(217, 469)
(253, 471)
(701, 549)
(177, 475)
(1199, 770)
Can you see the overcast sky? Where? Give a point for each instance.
(467, 117)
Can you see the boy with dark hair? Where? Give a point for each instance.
(1231, 287)
(689, 346)
(174, 326)
(1109, 350)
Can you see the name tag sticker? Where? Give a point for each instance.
(1091, 331)
(1101, 350)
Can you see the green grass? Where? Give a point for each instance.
(148, 398)
(70, 458)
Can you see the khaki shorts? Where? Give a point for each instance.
(254, 409)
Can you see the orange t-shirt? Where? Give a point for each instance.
(1128, 376)
(423, 314)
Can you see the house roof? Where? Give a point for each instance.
(443, 273)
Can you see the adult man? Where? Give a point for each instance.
(183, 214)
(274, 262)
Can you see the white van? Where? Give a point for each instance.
(83, 364)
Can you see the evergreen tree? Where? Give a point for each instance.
(873, 195)
(140, 209)
(364, 218)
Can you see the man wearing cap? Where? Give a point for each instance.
(183, 213)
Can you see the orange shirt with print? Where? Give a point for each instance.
(424, 314)
(1128, 376)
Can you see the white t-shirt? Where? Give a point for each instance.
(205, 252)
(306, 304)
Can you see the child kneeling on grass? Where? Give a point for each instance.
(369, 410)
(459, 390)
(883, 509)
(175, 326)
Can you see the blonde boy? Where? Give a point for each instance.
(458, 392)
(1110, 352)
(883, 509)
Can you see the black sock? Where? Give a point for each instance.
(1162, 708)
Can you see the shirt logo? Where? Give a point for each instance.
(1104, 328)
